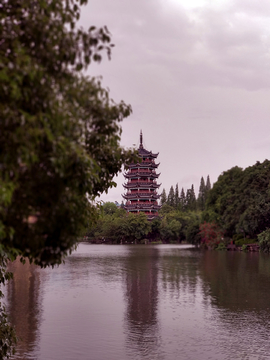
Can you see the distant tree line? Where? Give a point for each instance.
(179, 220)
(235, 210)
(187, 201)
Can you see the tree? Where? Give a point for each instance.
(182, 200)
(155, 229)
(211, 234)
(59, 133)
(191, 199)
(264, 241)
(170, 228)
(137, 227)
(109, 208)
(207, 187)
(171, 197)
(240, 200)
(202, 195)
(163, 197)
(59, 130)
(176, 196)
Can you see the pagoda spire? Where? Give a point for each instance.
(141, 140)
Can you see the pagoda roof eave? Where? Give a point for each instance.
(135, 175)
(144, 163)
(140, 185)
(139, 196)
(143, 152)
(142, 208)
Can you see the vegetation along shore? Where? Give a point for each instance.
(234, 214)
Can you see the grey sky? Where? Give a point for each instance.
(197, 74)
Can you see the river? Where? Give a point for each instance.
(138, 302)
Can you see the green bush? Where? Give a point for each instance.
(242, 242)
(264, 240)
(221, 246)
(237, 237)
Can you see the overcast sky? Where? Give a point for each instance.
(197, 75)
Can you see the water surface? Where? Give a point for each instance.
(143, 302)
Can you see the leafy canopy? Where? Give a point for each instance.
(59, 129)
(240, 200)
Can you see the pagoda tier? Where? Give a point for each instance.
(141, 174)
(141, 185)
(141, 195)
(140, 206)
(144, 164)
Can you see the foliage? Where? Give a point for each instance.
(211, 234)
(186, 202)
(171, 197)
(221, 246)
(163, 197)
(182, 201)
(8, 339)
(121, 227)
(155, 229)
(109, 208)
(202, 195)
(192, 227)
(240, 200)
(191, 199)
(137, 227)
(207, 185)
(60, 132)
(264, 240)
(170, 229)
(176, 197)
(166, 208)
(179, 226)
(242, 242)
(244, 247)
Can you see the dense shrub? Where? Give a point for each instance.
(242, 242)
(264, 240)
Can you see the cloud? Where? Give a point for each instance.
(197, 78)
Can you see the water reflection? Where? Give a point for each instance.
(238, 287)
(179, 269)
(237, 281)
(24, 295)
(141, 301)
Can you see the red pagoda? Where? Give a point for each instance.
(141, 186)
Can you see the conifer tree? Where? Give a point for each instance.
(207, 187)
(171, 197)
(191, 199)
(182, 200)
(176, 197)
(202, 195)
(163, 197)
(208, 184)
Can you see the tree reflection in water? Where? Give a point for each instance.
(143, 302)
(24, 299)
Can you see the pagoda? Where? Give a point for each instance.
(141, 186)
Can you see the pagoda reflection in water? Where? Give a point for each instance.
(142, 300)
